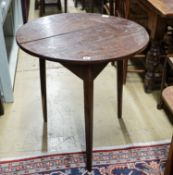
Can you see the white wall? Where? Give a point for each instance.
(8, 64)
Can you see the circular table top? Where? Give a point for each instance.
(82, 38)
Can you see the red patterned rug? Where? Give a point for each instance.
(132, 160)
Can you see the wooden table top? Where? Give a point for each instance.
(162, 7)
(81, 38)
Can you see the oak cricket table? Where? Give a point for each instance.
(84, 44)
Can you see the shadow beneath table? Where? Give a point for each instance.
(125, 131)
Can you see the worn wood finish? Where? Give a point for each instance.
(91, 38)
(166, 91)
(162, 7)
(167, 95)
(160, 15)
(168, 63)
(85, 48)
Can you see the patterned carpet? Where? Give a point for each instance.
(132, 160)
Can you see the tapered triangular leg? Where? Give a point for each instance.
(119, 86)
(43, 87)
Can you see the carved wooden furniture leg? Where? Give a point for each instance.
(119, 86)
(164, 75)
(152, 62)
(43, 87)
(157, 27)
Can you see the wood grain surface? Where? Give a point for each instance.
(163, 7)
(82, 38)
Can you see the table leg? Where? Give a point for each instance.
(1, 107)
(65, 6)
(43, 87)
(119, 86)
(88, 108)
(87, 73)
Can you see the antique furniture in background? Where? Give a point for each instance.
(100, 6)
(122, 8)
(79, 49)
(128, 9)
(25, 9)
(155, 16)
(168, 64)
(41, 4)
(135, 13)
(160, 16)
(166, 100)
